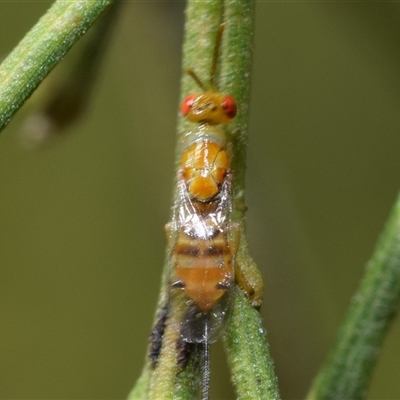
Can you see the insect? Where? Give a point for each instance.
(202, 237)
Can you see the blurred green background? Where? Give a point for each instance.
(81, 223)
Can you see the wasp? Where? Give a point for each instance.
(202, 237)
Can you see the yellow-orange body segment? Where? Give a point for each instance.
(204, 268)
(204, 168)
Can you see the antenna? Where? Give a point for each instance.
(196, 79)
(214, 64)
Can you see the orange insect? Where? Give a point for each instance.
(202, 237)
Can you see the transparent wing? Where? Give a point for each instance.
(202, 263)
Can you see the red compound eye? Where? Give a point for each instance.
(186, 105)
(229, 106)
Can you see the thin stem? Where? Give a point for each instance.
(251, 364)
(246, 343)
(69, 92)
(248, 353)
(41, 49)
(348, 369)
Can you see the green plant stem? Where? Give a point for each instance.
(248, 353)
(245, 341)
(70, 94)
(348, 369)
(246, 345)
(41, 49)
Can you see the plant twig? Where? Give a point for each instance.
(252, 367)
(41, 49)
(246, 343)
(348, 369)
(66, 94)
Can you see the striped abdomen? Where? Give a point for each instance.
(203, 268)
